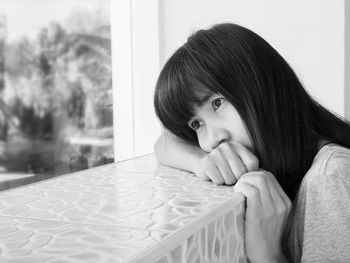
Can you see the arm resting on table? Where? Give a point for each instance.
(173, 151)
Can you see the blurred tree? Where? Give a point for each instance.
(59, 85)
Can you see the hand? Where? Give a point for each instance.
(226, 163)
(267, 211)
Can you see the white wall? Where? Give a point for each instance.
(347, 60)
(308, 34)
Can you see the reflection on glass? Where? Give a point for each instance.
(55, 88)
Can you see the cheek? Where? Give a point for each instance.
(248, 143)
(245, 139)
(238, 130)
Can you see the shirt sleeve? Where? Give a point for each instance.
(321, 217)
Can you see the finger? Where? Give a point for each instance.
(272, 202)
(280, 199)
(281, 192)
(259, 180)
(283, 203)
(223, 166)
(253, 198)
(212, 171)
(234, 161)
(250, 161)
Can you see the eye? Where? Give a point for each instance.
(217, 103)
(195, 125)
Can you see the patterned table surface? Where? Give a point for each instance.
(111, 213)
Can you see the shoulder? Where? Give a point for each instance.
(319, 226)
(338, 162)
(332, 162)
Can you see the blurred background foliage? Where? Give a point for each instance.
(56, 98)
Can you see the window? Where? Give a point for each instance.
(56, 103)
(60, 111)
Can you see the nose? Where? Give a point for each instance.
(216, 136)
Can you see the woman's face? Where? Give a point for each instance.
(217, 121)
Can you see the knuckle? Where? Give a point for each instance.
(254, 192)
(252, 164)
(227, 147)
(245, 177)
(218, 181)
(215, 154)
(283, 210)
(212, 153)
(268, 174)
(235, 144)
(222, 146)
(264, 174)
(255, 159)
(231, 181)
(259, 180)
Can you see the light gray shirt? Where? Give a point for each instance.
(319, 226)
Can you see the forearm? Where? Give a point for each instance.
(171, 151)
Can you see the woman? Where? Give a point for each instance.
(237, 114)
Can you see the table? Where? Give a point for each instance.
(133, 211)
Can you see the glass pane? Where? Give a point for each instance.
(56, 112)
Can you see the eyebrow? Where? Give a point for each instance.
(205, 99)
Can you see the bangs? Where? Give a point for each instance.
(181, 87)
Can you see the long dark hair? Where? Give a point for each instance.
(284, 122)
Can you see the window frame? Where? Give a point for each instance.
(135, 64)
